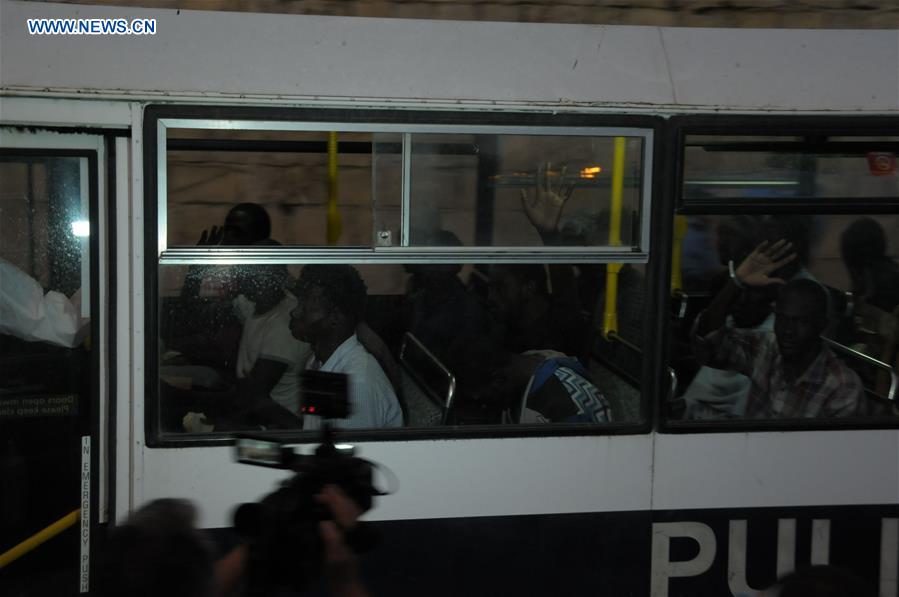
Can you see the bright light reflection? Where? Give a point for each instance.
(81, 228)
(590, 172)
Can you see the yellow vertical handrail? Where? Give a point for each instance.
(334, 220)
(14, 553)
(610, 315)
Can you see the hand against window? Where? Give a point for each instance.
(213, 236)
(545, 209)
(765, 259)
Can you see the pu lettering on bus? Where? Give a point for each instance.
(664, 569)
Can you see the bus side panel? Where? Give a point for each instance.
(674, 553)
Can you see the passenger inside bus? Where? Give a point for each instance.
(330, 304)
(834, 251)
(875, 288)
(874, 276)
(535, 386)
(204, 321)
(438, 308)
(793, 374)
(722, 393)
(520, 307)
(531, 316)
(245, 224)
(262, 390)
(269, 358)
(537, 312)
(31, 314)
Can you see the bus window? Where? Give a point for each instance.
(812, 337)
(786, 306)
(488, 260)
(501, 271)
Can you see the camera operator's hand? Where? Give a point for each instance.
(345, 510)
(230, 571)
(340, 566)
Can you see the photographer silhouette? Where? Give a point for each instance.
(160, 552)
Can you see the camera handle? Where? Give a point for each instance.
(326, 447)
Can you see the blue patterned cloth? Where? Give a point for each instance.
(590, 404)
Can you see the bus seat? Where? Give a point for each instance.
(428, 387)
(870, 370)
(622, 393)
(419, 410)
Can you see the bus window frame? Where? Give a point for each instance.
(754, 126)
(550, 119)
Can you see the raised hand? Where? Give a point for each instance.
(765, 259)
(213, 236)
(545, 209)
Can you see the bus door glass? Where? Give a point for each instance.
(49, 360)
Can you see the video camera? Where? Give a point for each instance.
(282, 531)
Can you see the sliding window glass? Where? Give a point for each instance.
(313, 187)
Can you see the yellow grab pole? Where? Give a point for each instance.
(680, 231)
(610, 315)
(13, 554)
(334, 222)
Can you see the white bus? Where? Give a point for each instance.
(402, 146)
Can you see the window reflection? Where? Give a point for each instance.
(809, 331)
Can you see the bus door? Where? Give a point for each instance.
(51, 351)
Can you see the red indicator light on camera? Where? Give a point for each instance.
(881, 163)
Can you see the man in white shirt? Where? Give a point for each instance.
(331, 302)
(269, 359)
